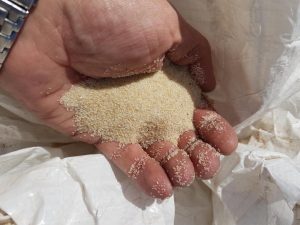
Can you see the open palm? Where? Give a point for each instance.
(63, 40)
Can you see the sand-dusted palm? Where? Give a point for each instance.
(62, 40)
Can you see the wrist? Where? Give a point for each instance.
(40, 34)
(35, 52)
(13, 14)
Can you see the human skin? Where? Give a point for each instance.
(62, 40)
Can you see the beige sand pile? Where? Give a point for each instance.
(139, 109)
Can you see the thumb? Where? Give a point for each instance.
(193, 50)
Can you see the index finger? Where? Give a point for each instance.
(139, 166)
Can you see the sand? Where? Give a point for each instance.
(139, 109)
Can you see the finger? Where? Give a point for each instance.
(205, 158)
(134, 162)
(215, 130)
(175, 162)
(194, 50)
(125, 70)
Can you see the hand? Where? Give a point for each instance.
(63, 39)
